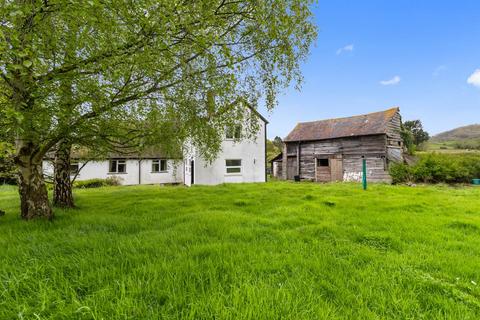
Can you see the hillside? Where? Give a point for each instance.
(467, 137)
(460, 133)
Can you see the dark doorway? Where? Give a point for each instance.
(192, 172)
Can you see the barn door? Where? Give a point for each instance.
(291, 168)
(336, 168)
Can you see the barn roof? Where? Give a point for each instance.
(361, 125)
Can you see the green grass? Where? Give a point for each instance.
(268, 251)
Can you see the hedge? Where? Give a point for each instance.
(439, 168)
(96, 183)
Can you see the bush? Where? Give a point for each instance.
(97, 183)
(400, 173)
(438, 168)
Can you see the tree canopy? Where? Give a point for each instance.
(69, 67)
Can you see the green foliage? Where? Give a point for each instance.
(96, 183)
(438, 168)
(272, 150)
(90, 66)
(408, 140)
(246, 251)
(8, 172)
(416, 128)
(468, 145)
(278, 142)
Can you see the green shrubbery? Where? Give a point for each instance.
(97, 183)
(438, 168)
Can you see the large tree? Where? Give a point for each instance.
(66, 66)
(416, 128)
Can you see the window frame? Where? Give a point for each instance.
(158, 162)
(239, 167)
(319, 162)
(235, 131)
(77, 171)
(118, 162)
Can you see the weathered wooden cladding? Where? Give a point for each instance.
(346, 154)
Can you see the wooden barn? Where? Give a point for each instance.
(333, 150)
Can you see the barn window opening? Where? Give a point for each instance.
(233, 166)
(118, 166)
(159, 165)
(322, 162)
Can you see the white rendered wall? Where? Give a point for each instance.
(252, 154)
(100, 170)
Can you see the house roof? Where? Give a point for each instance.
(361, 125)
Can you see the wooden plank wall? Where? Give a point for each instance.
(394, 139)
(352, 149)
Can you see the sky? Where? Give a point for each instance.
(370, 55)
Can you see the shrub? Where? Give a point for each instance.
(400, 173)
(97, 183)
(438, 168)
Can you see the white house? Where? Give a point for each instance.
(240, 160)
(129, 170)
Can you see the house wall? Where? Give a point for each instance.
(251, 152)
(100, 170)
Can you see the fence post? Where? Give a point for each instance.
(364, 176)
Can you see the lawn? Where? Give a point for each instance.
(253, 251)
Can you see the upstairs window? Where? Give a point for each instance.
(233, 166)
(159, 165)
(118, 166)
(233, 132)
(74, 167)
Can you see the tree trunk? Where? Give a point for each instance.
(33, 192)
(62, 191)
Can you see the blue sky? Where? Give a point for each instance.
(374, 54)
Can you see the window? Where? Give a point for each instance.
(74, 167)
(118, 166)
(322, 162)
(234, 166)
(159, 165)
(233, 132)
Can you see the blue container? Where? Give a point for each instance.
(476, 182)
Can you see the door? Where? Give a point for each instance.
(291, 168)
(336, 169)
(192, 172)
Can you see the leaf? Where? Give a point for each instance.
(27, 63)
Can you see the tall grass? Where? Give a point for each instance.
(255, 251)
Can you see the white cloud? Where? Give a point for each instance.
(474, 78)
(395, 80)
(439, 70)
(347, 48)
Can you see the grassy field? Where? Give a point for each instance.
(269, 251)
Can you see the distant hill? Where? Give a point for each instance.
(459, 134)
(462, 138)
